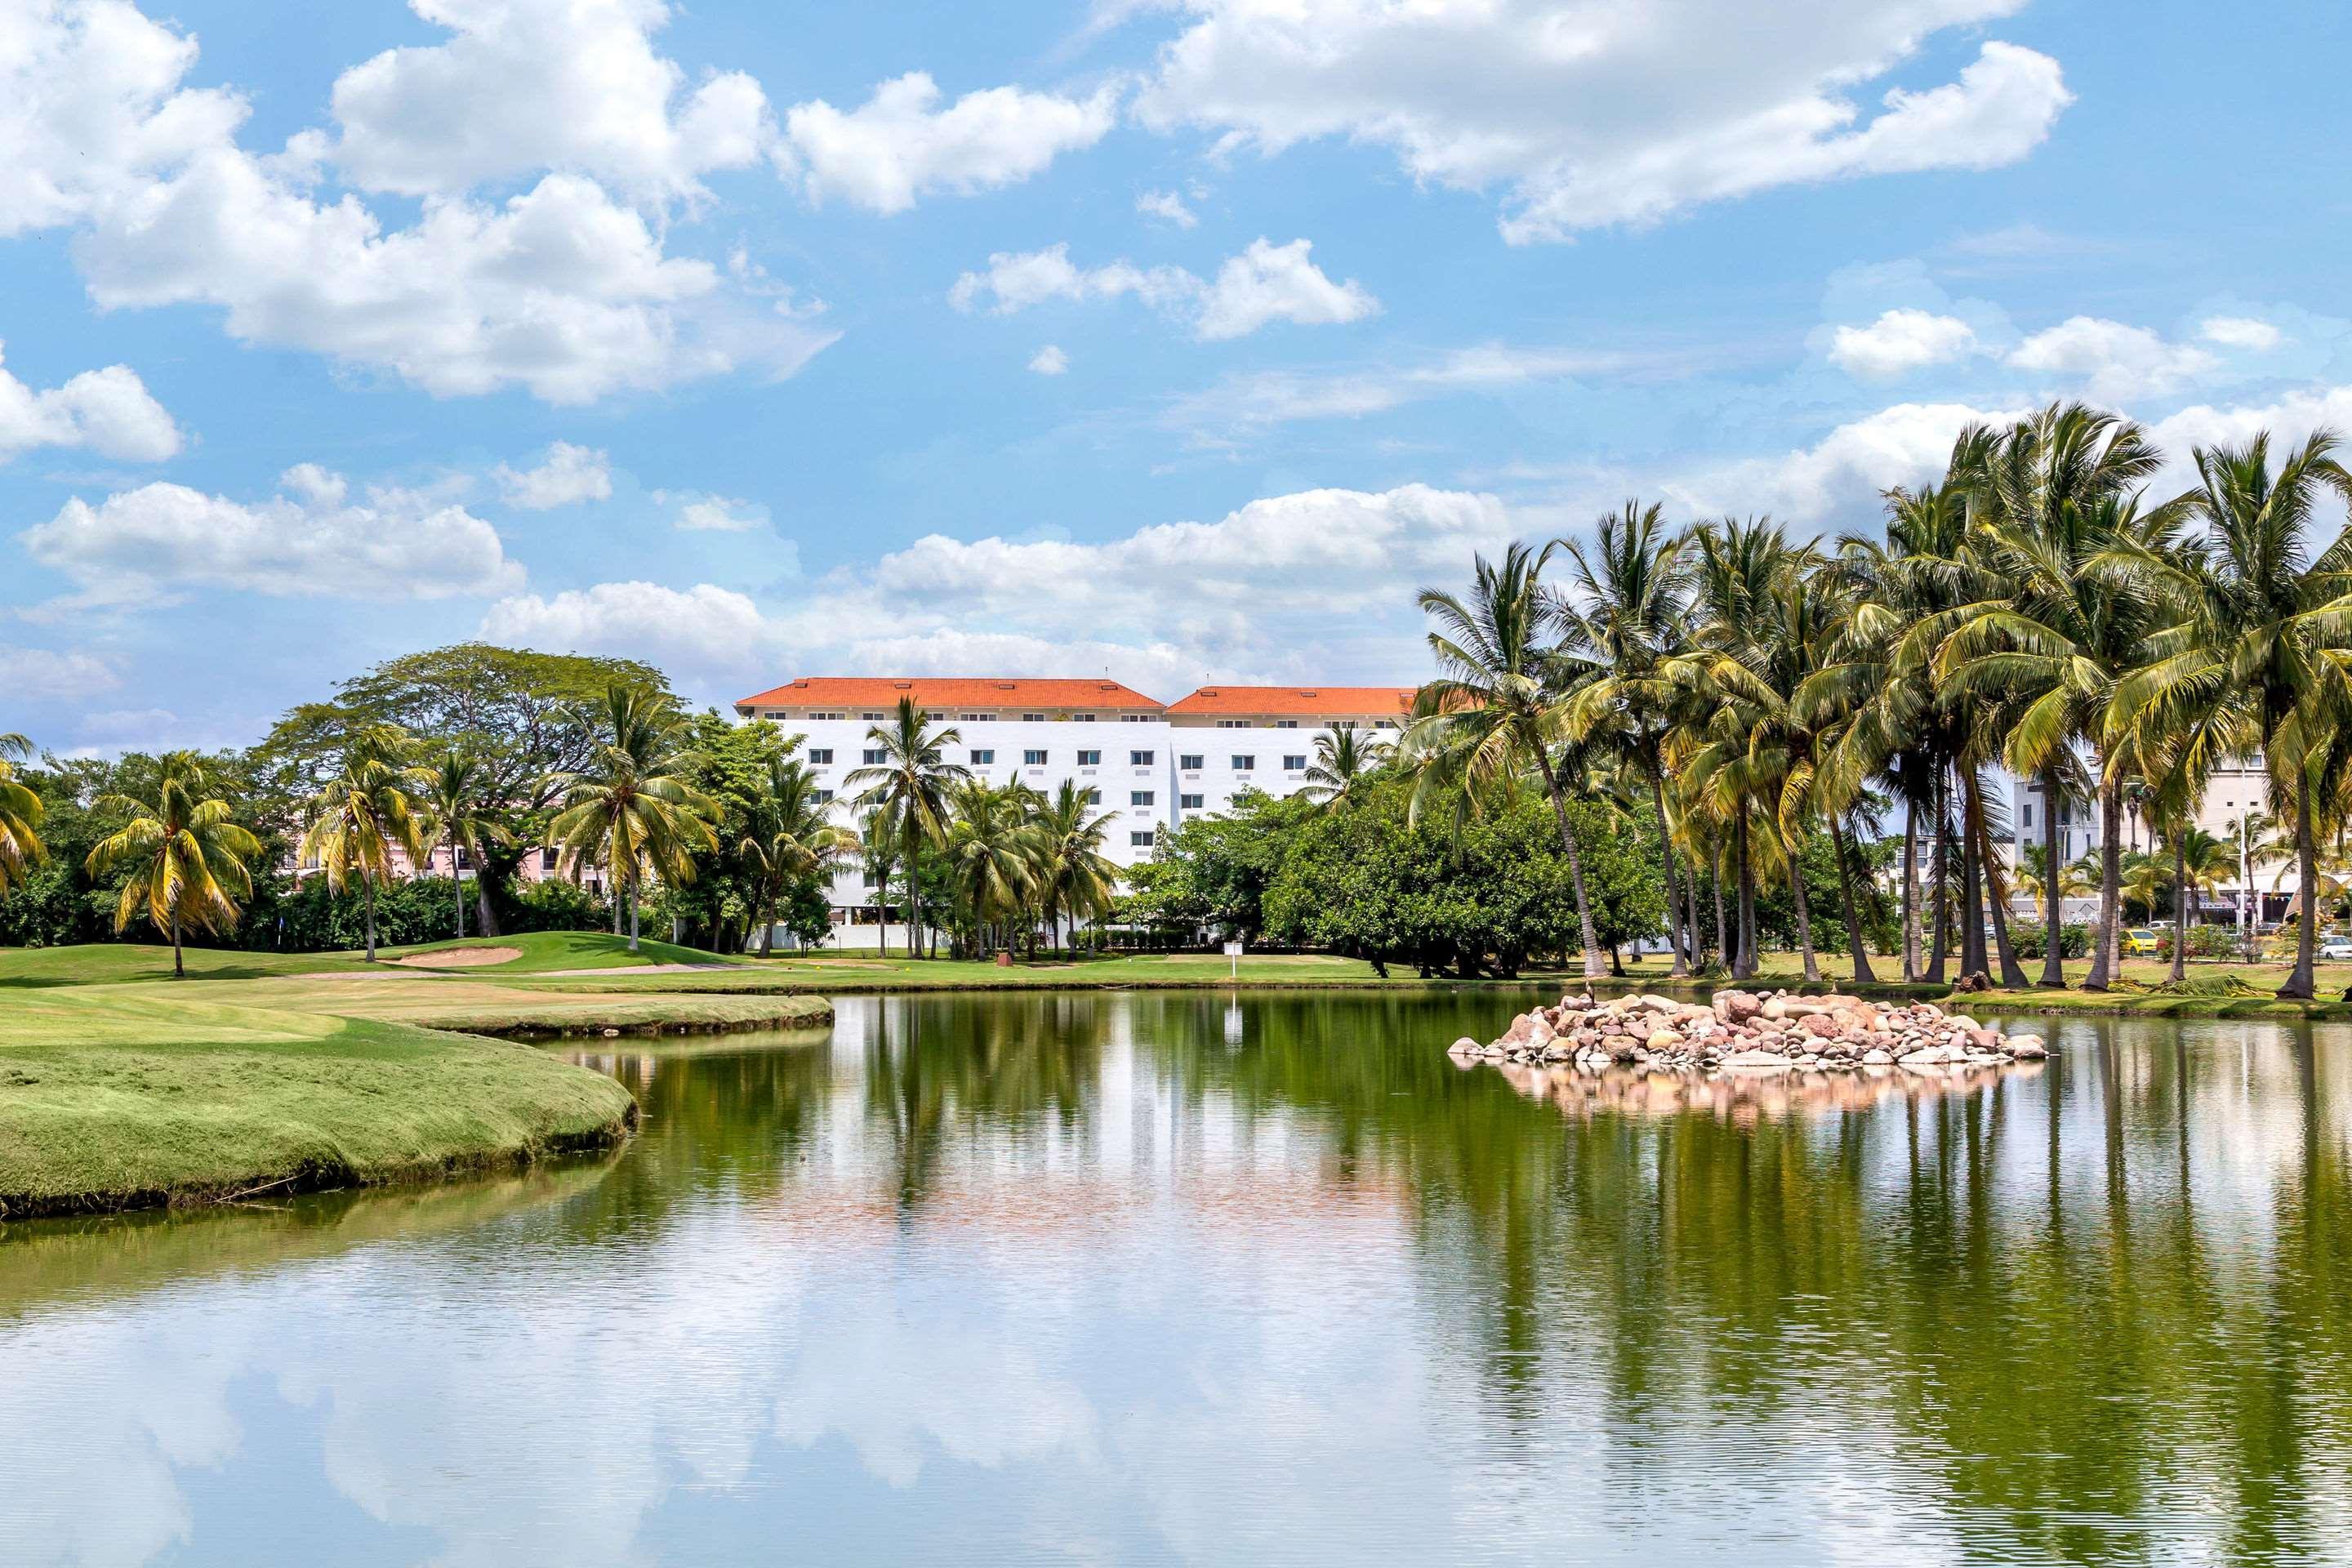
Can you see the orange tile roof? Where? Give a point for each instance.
(942, 693)
(1296, 699)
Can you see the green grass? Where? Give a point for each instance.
(542, 950)
(111, 1098)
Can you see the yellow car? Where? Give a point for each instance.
(2142, 943)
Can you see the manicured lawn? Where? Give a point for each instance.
(541, 951)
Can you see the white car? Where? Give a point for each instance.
(2336, 947)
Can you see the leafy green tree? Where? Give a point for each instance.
(20, 817)
(795, 846)
(453, 812)
(187, 860)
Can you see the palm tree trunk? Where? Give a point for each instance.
(616, 895)
(1585, 931)
(460, 882)
(770, 896)
(367, 897)
(632, 914)
(179, 965)
(2108, 938)
(1744, 912)
(2012, 973)
(2180, 900)
(1673, 890)
(1856, 949)
(1910, 889)
(2306, 924)
(1722, 935)
(1972, 918)
(913, 896)
(2054, 959)
(1804, 916)
(1691, 928)
(1938, 899)
(485, 918)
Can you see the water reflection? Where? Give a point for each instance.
(1173, 1277)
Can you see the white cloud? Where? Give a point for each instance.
(2110, 361)
(1900, 342)
(1268, 282)
(2289, 420)
(559, 288)
(1017, 281)
(107, 411)
(899, 145)
(708, 625)
(718, 514)
(565, 474)
(1841, 476)
(1262, 398)
(396, 545)
(2240, 332)
(39, 674)
(1049, 361)
(1166, 206)
(532, 84)
(1600, 115)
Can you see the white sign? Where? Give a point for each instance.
(1233, 949)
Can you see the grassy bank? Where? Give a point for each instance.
(121, 1088)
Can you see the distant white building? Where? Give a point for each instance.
(2233, 793)
(1153, 763)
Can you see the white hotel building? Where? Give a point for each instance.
(1153, 763)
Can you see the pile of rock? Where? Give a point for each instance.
(1749, 1031)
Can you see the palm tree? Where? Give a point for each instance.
(452, 813)
(1626, 617)
(2075, 879)
(910, 787)
(632, 809)
(1344, 761)
(187, 859)
(1494, 712)
(366, 814)
(2259, 625)
(1075, 877)
(992, 850)
(2054, 499)
(20, 816)
(2202, 863)
(798, 838)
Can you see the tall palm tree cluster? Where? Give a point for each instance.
(1016, 859)
(2037, 610)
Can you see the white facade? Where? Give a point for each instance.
(1152, 766)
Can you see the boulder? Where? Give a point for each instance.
(1756, 1062)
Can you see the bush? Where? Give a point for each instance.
(2213, 941)
(2031, 940)
(555, 905)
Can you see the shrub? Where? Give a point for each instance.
(2031, 940)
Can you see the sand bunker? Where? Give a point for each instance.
(461, 958)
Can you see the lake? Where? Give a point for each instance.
(1158, 1277)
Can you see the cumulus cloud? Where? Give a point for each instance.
(2240, 332)
(1266, 282)
(1049, 361)
(565, 474)
(1840, 478)
(900, 145)
(1167, 206)
(525, 85)
(1899, 342)
(1239, 404)
(1589, 118)
(719, 514)
(308, 539)
(109, 411)
(40, 674)
(712, 627)
(2110, 361)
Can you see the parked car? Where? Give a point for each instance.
(2336, 947)
(2142, 943)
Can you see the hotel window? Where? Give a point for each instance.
(1191, 801)
(873, 717)
(1139, 759)
(773, 713)
(982, 759)
(1093, 797)
(1232, 723)
(2028, 814)
(547, 859)
(821, 757)
(1138, 797)
(970, 718)
(1190, 762)
(1343, 724)
(1386, 724)
(1293, 765)
(824, 798)
(1285, 723)
(874, 754)
(1083, 717)
(813, 714)
(1032, 759)
(871, 880)
(1243, 763)
(1089, 759)
(1142, 841)
(1033, 718)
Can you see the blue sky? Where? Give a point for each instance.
(1179, 341)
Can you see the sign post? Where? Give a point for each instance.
(1233, 956)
